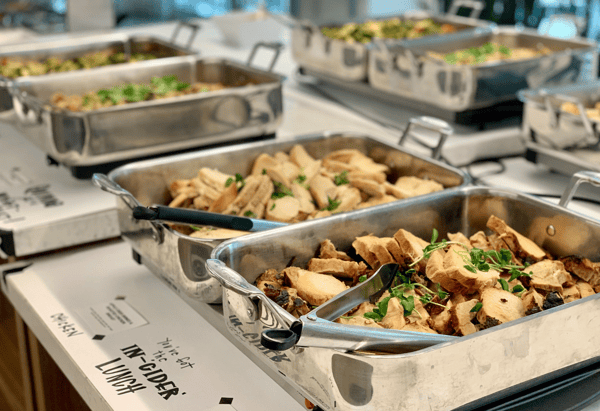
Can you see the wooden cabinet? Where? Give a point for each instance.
(29, 379)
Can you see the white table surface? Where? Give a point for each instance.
(73, 282)
(54, 295)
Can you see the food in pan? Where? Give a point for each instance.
(593, 113)
(292, 187)
(159, 87)
(14, 67)
(390, 29)
(490, 52)
(456, 286)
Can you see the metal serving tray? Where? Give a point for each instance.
(178, 258)
(74, 47)
(546, 124)
(152, 127)
(463, 374)
(407, 70)
(349, 61)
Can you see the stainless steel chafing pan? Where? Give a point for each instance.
(134, 130)
(313, 50)
(75, 47)
(407, 70)
(546, 124)
(179, 259)
(468, 372)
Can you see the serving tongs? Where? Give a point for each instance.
(199, 217)
(182, 215)
(317, 329)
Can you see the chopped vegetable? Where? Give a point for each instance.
(15, 67)
(391, 29)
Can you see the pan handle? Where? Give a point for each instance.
(193, 31)
(475, 6)
(275, 46)
(28, 108)
(591, 177)
(233, 281)
(433, 124)
(106, 184)
(587, 124)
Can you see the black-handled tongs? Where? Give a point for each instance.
(199, 217)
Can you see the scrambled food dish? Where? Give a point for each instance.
(490, 52)
(593, 113)
(160, 87)
(456, 286)
(292, 187)
(389, 29)
(12, 67)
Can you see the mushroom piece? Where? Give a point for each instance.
(442, 322)
(411, 248)
(520, 245)
(532, 301)
(328, 250)
(411, 186)
(362, 321)
(549, 275)
(462, 317)
(333, 266)
(315, 288)
(500, 305)
(584, 289)
(471, 281)
(394, 317)
(583, 268)
(437, 273)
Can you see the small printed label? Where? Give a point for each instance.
(112, 317)
(16, 204)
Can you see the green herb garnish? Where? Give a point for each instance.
(342, 178)
(362, 278)
(476, 308)
(249, 214)
(280, 191)
(333, 204)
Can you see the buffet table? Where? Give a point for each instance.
(123, 338)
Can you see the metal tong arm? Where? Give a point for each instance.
(587, 124)
(275, 46)
(433, 124)
(106, 184)
(233, 281)
(199, 217)
(194, 31)
(369, 290)
(316, 329)
(475, 6)
(326, 334)
(578, 178)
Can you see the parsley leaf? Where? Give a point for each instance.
(281, 191)
(503, 283)
(476, 308)
(250, 214)
(342, 178)
(333, 204)
(362, 278)
(517, 288)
